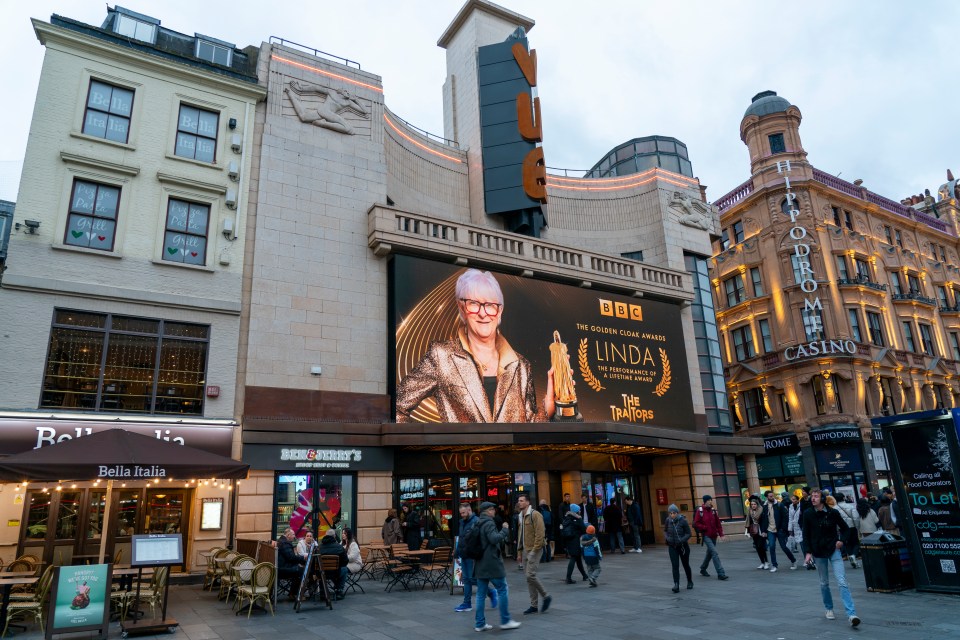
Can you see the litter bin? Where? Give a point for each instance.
(886, 563)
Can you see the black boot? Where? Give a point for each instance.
(689, 584)
(676, 587)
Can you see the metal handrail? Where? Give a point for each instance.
(424, 132)
(316, 52)
(555, 171)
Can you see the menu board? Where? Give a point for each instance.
(926, 458)
(156, 549)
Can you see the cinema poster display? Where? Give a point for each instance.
(926, 462)
(627, 355)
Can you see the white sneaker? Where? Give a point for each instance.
(830, 615)
(763, 565)
(513, 624)
(485, 627)
(793, 566)
(773, 569)
(854, 620)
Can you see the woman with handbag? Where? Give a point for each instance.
(752, 530)
(677, 532)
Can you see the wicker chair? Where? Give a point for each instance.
(211, 575)
(229, 582)
(152, 595)
(27, 592)
(35, 607)
(260, 588)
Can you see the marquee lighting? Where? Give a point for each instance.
(639, 183)
(633, 176)
(422, 146)
(300, 65)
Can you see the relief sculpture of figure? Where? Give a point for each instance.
(327, 113)
(690, 216)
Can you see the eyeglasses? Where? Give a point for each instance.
(474, 306)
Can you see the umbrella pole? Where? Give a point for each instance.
(105, 529)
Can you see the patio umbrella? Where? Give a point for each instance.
(117, 454)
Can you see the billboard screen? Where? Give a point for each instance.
(627, 355)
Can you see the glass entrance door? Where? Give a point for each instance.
(437, 517)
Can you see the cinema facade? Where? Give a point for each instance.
(360, 225)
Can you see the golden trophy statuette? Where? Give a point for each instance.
(565, 396)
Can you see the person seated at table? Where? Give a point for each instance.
(289, 564)
(354, 557)
(330, 547)
(303, 547)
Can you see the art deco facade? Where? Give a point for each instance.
(835, 304)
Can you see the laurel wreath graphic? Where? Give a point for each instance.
(588, 376)
(664, 385)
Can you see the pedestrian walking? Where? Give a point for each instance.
(613, 524)
(794, 529)
(707, 522)
(851, 545)
(468, 520)
(530, 541)
(558, 515)
(677, 533)
(773, 526)
(547, 531)
(635, 520)
(824, 531)
(489, 570)
(751, 529)
(590, 547)
(570, 532)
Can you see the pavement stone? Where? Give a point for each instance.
(633, 601)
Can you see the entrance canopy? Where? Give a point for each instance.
(117, 454)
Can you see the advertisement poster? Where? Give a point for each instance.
(925, 459)
(81, 598)
(627, 355)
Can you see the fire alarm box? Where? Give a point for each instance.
(662, 497)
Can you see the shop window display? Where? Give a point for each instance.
(313, 502)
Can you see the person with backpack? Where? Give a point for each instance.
(547, 531)
(570, 532)
(468, 520)
(707, 522)
(488, 568)
(590, 547)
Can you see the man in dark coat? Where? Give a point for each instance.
(635, 520)
(468, 520)
(613, 525)
(570, 531)
(558, 515)
(489, 569)
(330, 547)
(588, 511)
(824, 532)
(289, 563)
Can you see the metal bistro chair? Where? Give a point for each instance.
(260, 588)
(373, 562)
(229, 581)
(152, 595)
(211, 576)
(241, 576)
(223, 562)
(35, 607)
(331, 573)
(438, 571)
(400, 571)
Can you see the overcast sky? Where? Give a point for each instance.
(877, 82)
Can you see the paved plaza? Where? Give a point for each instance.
(634, 600)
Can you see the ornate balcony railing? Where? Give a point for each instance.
(861, 281)
(915, 297)
(738, 193)
(954, 309)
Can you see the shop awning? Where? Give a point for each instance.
(117, 454)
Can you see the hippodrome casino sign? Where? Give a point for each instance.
(627, 355)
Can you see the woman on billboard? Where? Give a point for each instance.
(477, 376)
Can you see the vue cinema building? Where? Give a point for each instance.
(835, 304)
(360, 225)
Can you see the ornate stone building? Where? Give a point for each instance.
(834, 304)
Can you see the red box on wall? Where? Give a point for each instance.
(213, 391)
(662, 497)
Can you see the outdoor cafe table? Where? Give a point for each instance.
(7, 584)
(417, 559)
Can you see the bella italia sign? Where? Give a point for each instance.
(812, 307)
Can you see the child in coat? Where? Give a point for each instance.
(591, 554)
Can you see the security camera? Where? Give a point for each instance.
(31, 226)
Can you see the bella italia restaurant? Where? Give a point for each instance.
(77, 488)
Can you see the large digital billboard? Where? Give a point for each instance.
(626, 355)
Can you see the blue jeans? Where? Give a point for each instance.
(772, 540)
(711, 546)
(483, 586)
(469, 581)
(823, 570)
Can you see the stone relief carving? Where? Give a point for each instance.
(693, 213)
(325, 114)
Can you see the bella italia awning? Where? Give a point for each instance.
(117, 454)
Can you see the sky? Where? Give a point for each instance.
(876, 82)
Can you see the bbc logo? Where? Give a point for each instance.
(621, 310)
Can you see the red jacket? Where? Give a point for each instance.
(707, 522)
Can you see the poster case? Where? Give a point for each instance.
(155, 549)
(79, 600)
(924, 455)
